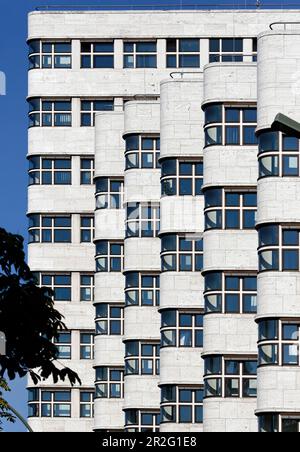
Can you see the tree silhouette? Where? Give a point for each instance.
(28, 318)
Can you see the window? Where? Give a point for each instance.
(109, 383)
(50, 55)
(50, 113)
(230, 378)
(109, 193)
(48, 403)
(278, 342)
(86, 171)
(87, 229)
(141, 358)
(109, 319)
(86, 287)
(181, 328)
(141, 421)
(86, 404)
(142, 152)
(183, 53)
(109, 256)
(140, 54)
(181, 404)
(50, 171)
(142, 219)
(181, 253)
(181, 177)
(60, 285)
(226, 209)
(48, 229)
(275, 422)
(90, 107)
(227, 125)
(86, 345)
(225, 50)
(278, 155)
(63, 344)
(254, 49)
(97, 55)
(142, 289)
(278, 248)
(230, 293)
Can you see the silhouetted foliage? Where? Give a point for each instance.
(5, 412)
(28, 318)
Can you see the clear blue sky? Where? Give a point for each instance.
(13, 111)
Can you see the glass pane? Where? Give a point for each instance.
(249, 136)
(232, 303)
(213, 303)
(268, 166)
(232, 387)
(290, 165)
(213, 136)
(269, 235)
(268, 141)
(290, 354)
(290, 260)
(232, 115)
(268, 354)
(290, 332)
(189, 61)
(213, 113)
(185, 414)
(232, 135)
(268, 329)
(213, 281)
(168, 338)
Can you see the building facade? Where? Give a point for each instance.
(163, 211)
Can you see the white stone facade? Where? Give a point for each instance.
(133, 185)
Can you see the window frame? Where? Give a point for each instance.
(139, 153)
(177, 330)
(177, 177)
(135, 54)
(176, 253)
(109, 257)
(94, 53)
(135, 361)
(139, 289)
(178, 54)
(39, 55)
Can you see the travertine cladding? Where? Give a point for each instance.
(142, 254)
(141, 323)
(81, 314)
(109, 351)
(278, 200)
(228, 416)
(224, 82)
(180, 428)
(224, 166)
(149, 24)
(278, 389)
(109, 288)
(141, 117)
(181, 117)
(61, 257)
(74, 424)
(230, 333)
(230, 250)
(278, 73)
(181, 290)
(108, 414)
(278, 294)
(141, 392)
(181, 366)
(60, 198)
(142, 185)
(64, 141)
(109, 224)
(109, 144)
(182, 214)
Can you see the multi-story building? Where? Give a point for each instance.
(152, 147)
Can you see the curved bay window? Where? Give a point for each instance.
(230, 293)
(49, 229)
(109, 256)
(181, 177)
(278, 248)
(181, 328)
(230, 377)
(279, 422)
(49, 55)
(230, 208)
(278, 343)
(50, 171)
(181, 253)
(109, 319)
(142, 219)
(142, 420)
(181, 404)
(142, 152)
(278, 155)
(50, 113)
(109, 382)
(141, 358)
(142, 289)
(230, 125)
(109, 193)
